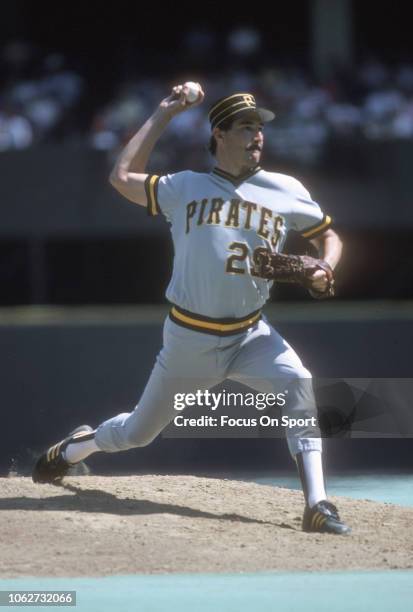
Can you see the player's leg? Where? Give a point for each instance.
(121, 432)
(267, 363)
(186, 363)
(155, 410)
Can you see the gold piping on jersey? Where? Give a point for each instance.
(151, 190)
(209, 325)
(317, 229)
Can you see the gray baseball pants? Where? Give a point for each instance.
(258, 357)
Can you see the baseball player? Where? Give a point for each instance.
(220, 221)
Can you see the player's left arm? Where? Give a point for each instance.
(314, 226)
(330, 248)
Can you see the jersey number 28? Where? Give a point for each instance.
(242, 255)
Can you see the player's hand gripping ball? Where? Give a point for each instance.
(182, 98)
(192, 91)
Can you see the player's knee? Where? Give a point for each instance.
(300, 391)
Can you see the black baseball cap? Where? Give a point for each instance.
(231, 106)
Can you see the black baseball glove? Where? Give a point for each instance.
(298, 269)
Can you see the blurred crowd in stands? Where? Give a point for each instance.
(37, 94)
(43, 99)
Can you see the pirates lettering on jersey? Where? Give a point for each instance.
(238, 214)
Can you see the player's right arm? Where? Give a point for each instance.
(128, 175)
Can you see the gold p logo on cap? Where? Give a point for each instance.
(249, 100)
(231, 106)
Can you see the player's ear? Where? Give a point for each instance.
(218, 134)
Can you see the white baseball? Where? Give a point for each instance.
(193, 91)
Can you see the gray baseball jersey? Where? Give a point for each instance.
(218, 224)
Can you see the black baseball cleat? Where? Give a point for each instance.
(51, 466)
(324, 518)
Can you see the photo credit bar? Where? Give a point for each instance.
(344, 408)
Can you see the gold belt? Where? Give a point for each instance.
(208, 325)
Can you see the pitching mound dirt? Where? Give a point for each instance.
(96, 526)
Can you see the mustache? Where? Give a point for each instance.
(254, 147)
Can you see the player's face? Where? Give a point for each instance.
(243, 143)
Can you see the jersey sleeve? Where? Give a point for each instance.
(163, 194)
(308, 218)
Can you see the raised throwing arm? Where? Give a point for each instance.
(128, 175)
